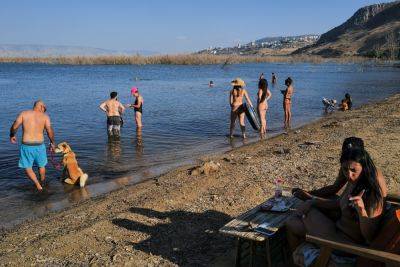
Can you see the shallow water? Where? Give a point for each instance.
(183, 118)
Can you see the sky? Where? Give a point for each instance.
(166, 26)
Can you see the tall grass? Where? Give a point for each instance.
(183, 59)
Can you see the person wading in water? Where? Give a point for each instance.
(32, 150)
(236, 102)
(113, 109)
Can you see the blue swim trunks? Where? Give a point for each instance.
(30, 154)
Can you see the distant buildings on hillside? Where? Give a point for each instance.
(271, 43)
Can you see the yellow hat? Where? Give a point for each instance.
(238, 82)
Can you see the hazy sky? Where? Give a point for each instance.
(166, 26)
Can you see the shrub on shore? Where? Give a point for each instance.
(183, 59)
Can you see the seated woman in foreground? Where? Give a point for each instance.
(361, 205)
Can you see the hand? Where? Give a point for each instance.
(301, 194)
(52, 146)
(13, 140)
(357, 202)
(304, 208)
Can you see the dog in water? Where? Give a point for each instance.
(71, 171)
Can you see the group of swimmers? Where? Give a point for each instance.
(239, 92)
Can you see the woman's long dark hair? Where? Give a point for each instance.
(263, 85)
(368, 180)
(237, 89)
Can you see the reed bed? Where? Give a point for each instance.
(182, 59)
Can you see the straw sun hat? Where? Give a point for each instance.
(238, 82)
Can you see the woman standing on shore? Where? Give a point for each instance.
(137, 107)
(262, 104)
(236, 102)
(287, 101)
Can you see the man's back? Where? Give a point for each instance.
(33, 123)
(113, 107)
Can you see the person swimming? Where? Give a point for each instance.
(211, 84)
(273, 79)
(236, 102)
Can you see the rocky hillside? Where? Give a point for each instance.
(372, 31)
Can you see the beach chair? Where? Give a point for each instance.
(384, 249)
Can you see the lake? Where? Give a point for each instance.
(183, 118)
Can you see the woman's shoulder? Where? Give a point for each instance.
(381, 181)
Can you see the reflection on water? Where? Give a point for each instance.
(139, 143)
(184, 118)
(114, 151)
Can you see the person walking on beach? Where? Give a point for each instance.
(263, 96)
(236, 102)
(287, 101)
(273, 79)
(32, 150)
(113, 109)
(137, 107)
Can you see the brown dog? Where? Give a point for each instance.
(71, 168)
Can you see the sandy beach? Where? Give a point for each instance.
(174, 219)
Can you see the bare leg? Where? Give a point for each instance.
(31, 175)
(42, 172)
(242, 125)
(232, 126)
(285, 114)
(289, 109)
(138, 119)
(296, 232)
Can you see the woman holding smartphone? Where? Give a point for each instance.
(361, 205)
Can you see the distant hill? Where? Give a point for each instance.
(372, 31)
(12, 50)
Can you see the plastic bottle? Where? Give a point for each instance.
(278, 189)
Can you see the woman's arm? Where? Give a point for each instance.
(369, 220)
(269, 95)
(330, 204)
(259, 94)
(230, 98)
(247, 97)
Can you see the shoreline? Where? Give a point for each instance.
(185, 59)
(174, 218)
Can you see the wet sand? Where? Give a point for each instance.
(174, 219)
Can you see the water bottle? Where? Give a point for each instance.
(278, 189)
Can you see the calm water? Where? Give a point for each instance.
(183, 118)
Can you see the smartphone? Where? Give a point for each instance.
(263, 229)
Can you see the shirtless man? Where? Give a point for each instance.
(32, 149)
(114, 109)
(236, 102)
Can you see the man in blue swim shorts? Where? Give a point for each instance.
(32, 150)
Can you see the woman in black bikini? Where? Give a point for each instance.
(287, 101)
(137, 107)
